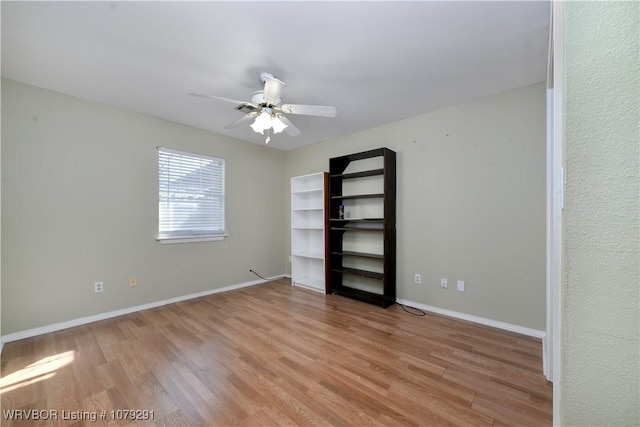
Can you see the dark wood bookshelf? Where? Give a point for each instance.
(385, 228)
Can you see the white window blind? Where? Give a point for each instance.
(191, 195)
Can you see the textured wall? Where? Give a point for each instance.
(0, 228)
(601, 290)
(80, 205)
(470, 202)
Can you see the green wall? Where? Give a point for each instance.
(79, 205)
(470, 203)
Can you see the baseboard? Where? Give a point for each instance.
(90, 319)
(309, 288)
(476, 319)
(545, 360)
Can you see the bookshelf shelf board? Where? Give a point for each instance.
(355, 229)
(308, 255)
(359, 254)
(360, 295)
(358, 272)
(362, 174)
(359, 196)
(368, 220)
(309, 191)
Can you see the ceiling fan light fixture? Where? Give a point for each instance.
(277, 124)
(261, 123)
(267, 120)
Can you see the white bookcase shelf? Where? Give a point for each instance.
(308, 226)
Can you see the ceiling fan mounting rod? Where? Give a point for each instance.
(264, 76)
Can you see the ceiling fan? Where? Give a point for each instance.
(268, 111)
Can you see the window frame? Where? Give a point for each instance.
(187, 238)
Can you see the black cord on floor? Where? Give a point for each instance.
(263, 278)
(417, 313)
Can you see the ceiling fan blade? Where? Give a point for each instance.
(273, 89)
(309, 110)
(232, 101)
(243, 119)
(290, 129)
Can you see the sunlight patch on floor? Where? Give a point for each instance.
(41, 370)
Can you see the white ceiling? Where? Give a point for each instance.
(377, 62)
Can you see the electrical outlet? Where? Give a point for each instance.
(461, 285)
(133, 281)
(443, 283)
(418, 278)
(98, 287)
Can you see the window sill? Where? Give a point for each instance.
(174, 240)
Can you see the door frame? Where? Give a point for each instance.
(552, 344)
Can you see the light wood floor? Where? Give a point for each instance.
(278, 355)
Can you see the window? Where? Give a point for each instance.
(191, 197)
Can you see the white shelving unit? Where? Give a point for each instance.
(308, 230)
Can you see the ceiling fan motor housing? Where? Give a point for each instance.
(257, 98)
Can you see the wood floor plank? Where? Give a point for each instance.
(187, 411)
(508, 414)
(174, 419)
(504, 389)
(280, 355)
